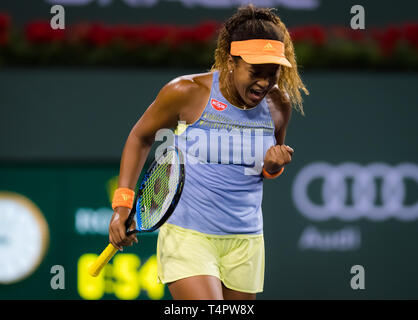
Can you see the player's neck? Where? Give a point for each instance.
(231, 94)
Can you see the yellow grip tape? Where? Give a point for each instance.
(102, 260)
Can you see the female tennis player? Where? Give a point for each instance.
(212, 247)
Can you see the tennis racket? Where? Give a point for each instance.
(156, 199)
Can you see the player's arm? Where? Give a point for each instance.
(281, 110)
(164, 112)
(282, 119)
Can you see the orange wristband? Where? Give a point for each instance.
(272, 176)
(123, 197)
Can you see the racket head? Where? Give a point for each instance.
(159, 192)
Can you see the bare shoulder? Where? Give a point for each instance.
(188, 87)
(280, 107)
(188, 94)
(202, 80)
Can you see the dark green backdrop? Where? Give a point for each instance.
(62, 132)
(325, 12)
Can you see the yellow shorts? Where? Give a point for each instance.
(237, 260)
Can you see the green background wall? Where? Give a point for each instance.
(62, 133)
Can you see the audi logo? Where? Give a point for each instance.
(335, 189)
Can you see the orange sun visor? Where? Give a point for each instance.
(258, 51)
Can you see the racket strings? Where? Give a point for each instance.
(159, 191)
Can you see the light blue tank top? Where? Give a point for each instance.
(224, 151)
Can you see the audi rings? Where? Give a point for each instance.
(335, 191)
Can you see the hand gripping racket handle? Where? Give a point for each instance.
(110, 251)
(102, 260)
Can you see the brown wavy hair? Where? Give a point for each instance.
(250, 22)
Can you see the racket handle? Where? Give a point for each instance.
(102, 260)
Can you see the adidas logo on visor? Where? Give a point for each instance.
(269, 47)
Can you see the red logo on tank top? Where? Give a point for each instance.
(217, 105)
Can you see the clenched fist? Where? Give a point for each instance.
(276, 157)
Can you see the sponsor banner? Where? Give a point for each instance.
(377, 191)
(350, 192)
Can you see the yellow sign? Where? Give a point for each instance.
(125, 278)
